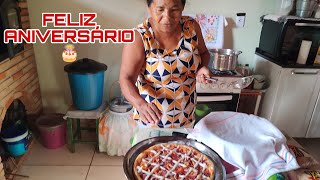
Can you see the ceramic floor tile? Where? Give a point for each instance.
(62, 156)
(53, 172)
(106, 172)
(105, 160)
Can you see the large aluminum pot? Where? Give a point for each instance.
(224, 59)
(305, 8)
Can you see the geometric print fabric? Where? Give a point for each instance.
(168, 78)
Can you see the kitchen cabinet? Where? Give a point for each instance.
(249, 101)
(314, 127)
(292, 100)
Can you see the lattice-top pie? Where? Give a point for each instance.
(173, 161)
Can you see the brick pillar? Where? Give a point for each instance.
(19, 79)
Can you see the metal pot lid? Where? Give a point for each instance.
(85, 66)
(131, 155)
(120, 103)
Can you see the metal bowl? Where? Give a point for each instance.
(131, 155)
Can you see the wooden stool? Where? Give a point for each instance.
(77, 115)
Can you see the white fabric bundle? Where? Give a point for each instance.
(252, 144)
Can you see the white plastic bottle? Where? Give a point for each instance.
(247, 70)
(284, 7)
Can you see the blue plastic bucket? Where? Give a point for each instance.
(87, 90)
(16, 140)
(86, 78)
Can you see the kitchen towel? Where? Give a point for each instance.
(81, 114)
(252, 144)
(212, 27)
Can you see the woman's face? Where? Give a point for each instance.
(166, 14)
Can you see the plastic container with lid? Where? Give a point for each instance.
(86, 78)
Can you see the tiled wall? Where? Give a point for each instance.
(19, 79)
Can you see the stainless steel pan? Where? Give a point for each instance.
(240, 84)
(128, 162)
(224, 59)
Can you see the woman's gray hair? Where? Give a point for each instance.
(149, 2)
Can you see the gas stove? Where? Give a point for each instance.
(222, 82)
(224, 73)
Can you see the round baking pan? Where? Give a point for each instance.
(131, 155)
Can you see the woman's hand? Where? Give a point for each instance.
(202, 74)
(149, 113)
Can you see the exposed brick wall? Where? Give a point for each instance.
(19, 79)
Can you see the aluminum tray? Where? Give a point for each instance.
(131, 155)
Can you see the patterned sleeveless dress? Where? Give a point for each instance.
(168, 78)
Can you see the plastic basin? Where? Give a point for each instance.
(15, 139)
(52, 130)
(202, 110)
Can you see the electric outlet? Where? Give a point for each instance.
(240, 20)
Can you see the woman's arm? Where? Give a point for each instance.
(204, 53)
(133, 56)
(133, 59)
(203, 70)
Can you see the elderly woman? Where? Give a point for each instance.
(159, 70)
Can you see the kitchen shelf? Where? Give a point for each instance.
(298, 66)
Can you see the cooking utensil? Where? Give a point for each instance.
(240, 84)
(243, 82)
(211, 79)
(224, 59)
(128, 162)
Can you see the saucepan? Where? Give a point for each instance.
(224, 59)
(243, 82)
(131, 155)
(239, 84)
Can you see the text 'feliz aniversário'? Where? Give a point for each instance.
(67, 32)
